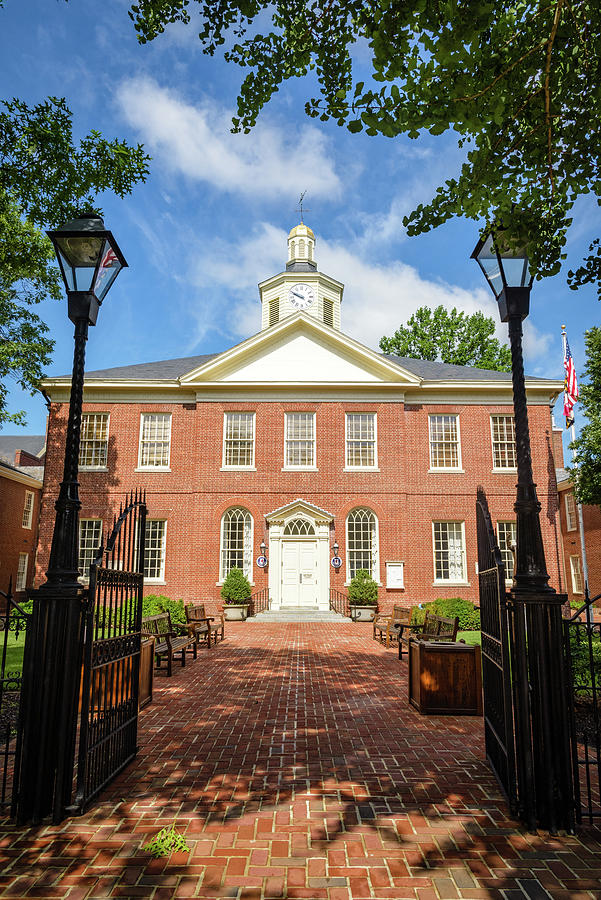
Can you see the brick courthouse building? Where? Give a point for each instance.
(299, 437)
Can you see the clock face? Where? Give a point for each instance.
(301, 296)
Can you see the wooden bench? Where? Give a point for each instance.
(435, 628)
(203, 627)
(385, 627)
(168, 639)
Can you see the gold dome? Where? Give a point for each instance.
(301, 230)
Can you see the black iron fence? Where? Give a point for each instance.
(582, 648)
(111, 657)
(259, 602)
(339, 603)
(14, 620)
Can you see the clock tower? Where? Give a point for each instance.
(301, 288)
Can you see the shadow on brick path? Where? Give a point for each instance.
(291, 761)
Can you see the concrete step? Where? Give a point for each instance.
(298, 614)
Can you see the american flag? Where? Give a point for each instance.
(108, 261)
(570, 386)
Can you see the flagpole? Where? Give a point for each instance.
(589, 617)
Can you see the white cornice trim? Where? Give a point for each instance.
(299, 322)
(282, 277)
(21, 477)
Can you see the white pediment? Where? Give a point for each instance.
(299, 507)
(300, 350)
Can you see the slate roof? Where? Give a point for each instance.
(10, 443)
(172, 369)
(562, 475)
(36, 472)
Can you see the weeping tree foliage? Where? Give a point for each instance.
(451, 337)
(519, 81)
(45, 179)
(587, 475)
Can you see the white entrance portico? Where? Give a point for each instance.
(299, 556)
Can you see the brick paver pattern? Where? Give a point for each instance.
(290, 759)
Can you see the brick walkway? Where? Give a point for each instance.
(291, 761)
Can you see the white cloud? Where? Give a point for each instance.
(195, 141)
(378, 297)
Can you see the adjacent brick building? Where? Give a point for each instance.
(301, 437)
(21, 474)
(571, 542)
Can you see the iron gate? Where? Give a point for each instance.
(14, 621)
(496, 672)
(582, 648)
(111, 655)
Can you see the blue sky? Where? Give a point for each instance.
(212, 220)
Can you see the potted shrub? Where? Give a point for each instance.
(363, 596)
(236, 593)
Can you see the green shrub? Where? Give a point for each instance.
(363, 590)
(449, 607)
(581, 665)
(418, 613)
(236, 587)
(153, 605)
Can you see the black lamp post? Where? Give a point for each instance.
(90, 260)
(544, 772)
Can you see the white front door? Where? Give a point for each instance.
(299, 573)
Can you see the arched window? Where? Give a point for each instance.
(236, 541)
(299, 527)
(362, 542)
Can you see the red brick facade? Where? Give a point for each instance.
(572, 547)
(404, 495)
(15, 539)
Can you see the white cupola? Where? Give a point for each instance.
(301, 288)
(301, 249)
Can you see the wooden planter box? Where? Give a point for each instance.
(146, 672)
(114, 679)
(445, 678)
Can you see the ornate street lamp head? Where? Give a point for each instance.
(89, 258)
(504, 262)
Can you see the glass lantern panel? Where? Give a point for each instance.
(516, 269)
(80, 255)
(108, 270)
(489, 263)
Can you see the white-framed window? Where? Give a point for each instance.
(362, 543)
(506, 537)
(299, 528)
(502, 431)
(445, 448)
(576, 572)
(94, 441)
(299, 440)
(239, 440)
(155, 440)
(90, 536)
(27, 520)
(21, 582)
(154, 550)
(570, 506)
(236, 542)
(361, 443)
(449, 551)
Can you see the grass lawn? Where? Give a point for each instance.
(470, 637)
(14, 651)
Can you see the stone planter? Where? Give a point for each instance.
(235, 612)
(363, 613)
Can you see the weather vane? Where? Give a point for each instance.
(300, 207)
